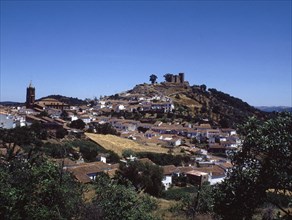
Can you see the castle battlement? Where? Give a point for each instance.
(180, 78)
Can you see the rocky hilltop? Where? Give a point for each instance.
(199, 103)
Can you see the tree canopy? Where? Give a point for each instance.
(167, 77)
(106, 128)
(34, 188)
(264, 164)
(115, 201)
(78, 124)
(153, 78)
(145, 177)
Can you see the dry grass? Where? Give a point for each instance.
(163, 211)
(118, 144)
(184, 100)
(89, 193)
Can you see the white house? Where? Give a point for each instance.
(216, 180)
(166, 106)
(167, 181)
(86, 119)
(72, 116)
(101, 158)
(120, 108)
(9, 121)
(168, 172)
(172, 141)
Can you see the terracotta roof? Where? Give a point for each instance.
(215, 170)
(217, 146)
(185, 169)
(205, 126)
(115, 166)
(50, 101)
(145, 160)
(38, 109)
(168, 127)
(169, 169)
(226, 165)
(31, 117)
(214, 131)
(196, 173)
(60, 120)
(47, 119)
(81, 171)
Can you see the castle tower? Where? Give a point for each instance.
(182, 77)
(30, 96)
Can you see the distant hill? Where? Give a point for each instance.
(199, 103)
(9, 103)
(68, 100)
(275, 108)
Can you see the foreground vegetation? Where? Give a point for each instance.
(258, 187)
(34, 188)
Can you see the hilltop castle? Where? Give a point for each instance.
(171, 78)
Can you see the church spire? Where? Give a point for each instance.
(30, 84)
(30, 96)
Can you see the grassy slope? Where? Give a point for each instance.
(118, 144)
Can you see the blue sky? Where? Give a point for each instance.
(91, 48)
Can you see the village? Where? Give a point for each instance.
(207, 147)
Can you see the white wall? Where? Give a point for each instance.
(167, 181)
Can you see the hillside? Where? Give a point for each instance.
(9, 103)
(65, 99)
(118, 144)
(199, 103)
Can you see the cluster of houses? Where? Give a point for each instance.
(54, 114)
(169, 135)
(195, 175)
(166, 134)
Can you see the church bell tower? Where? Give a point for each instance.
(30, 96)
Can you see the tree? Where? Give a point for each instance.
(128, 153)
(22, 136)
(198, 201)
(168, 77)
(153, 78)
(34, 188)
(144, 176)
(39, 130)
(61, 133)
(78, 124)
(262, 165)
(64, 115)
(203, 87)
(59, 150)
(225, 123)
(106, 128)
(89, 152)
(114, 201)
(44, 114)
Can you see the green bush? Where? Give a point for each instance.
(90, 150)
(178, 193)
(165, 159)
